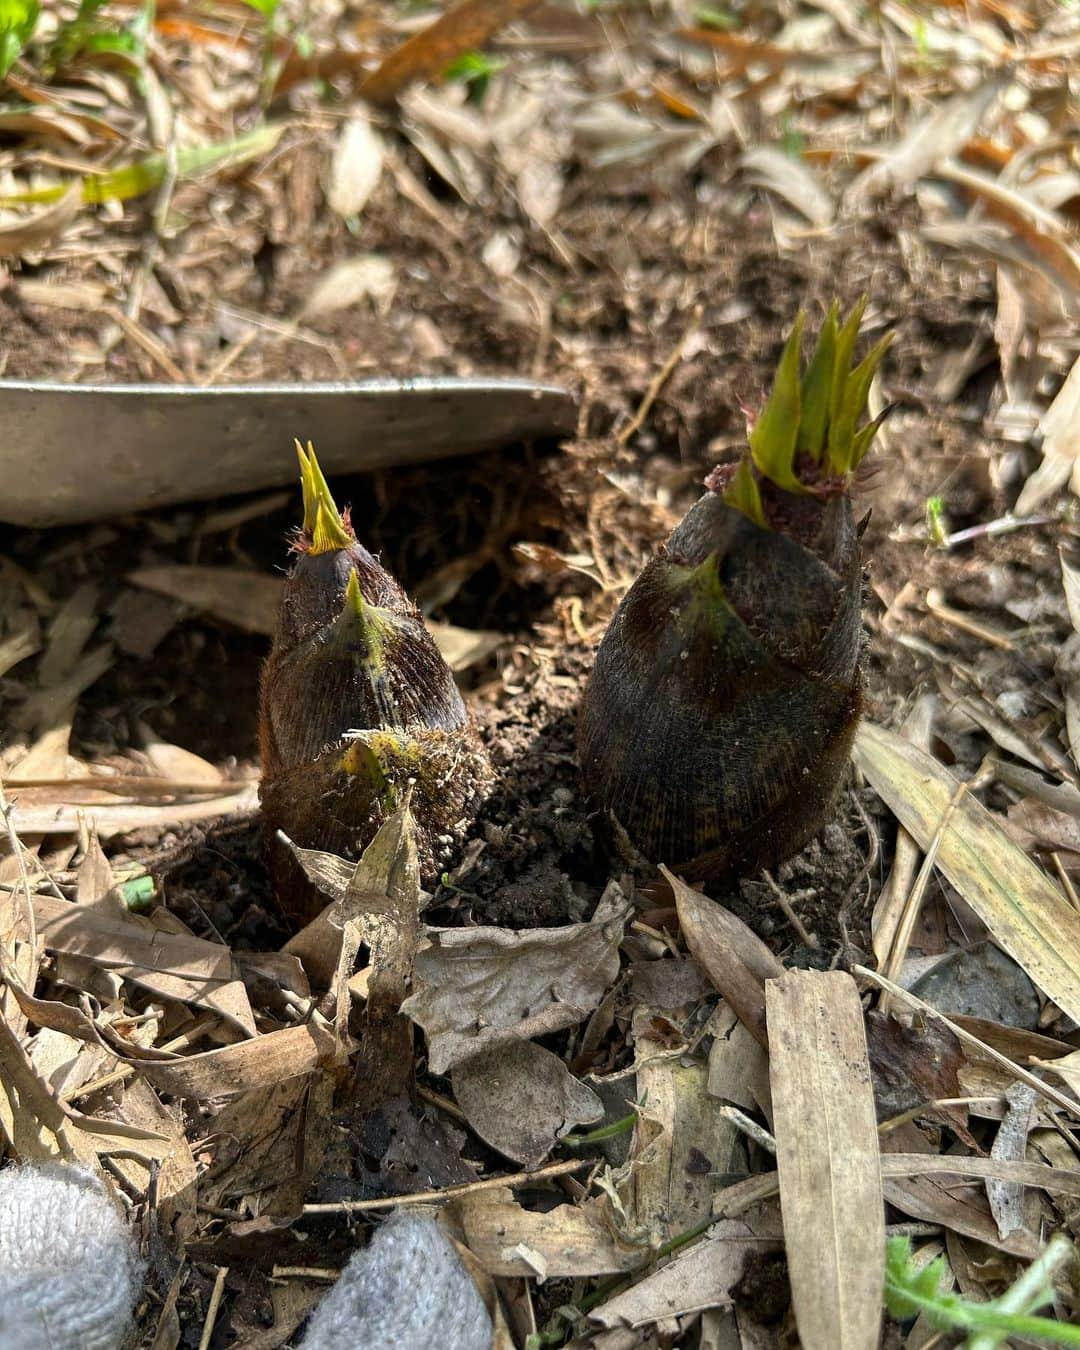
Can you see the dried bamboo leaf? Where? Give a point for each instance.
(933, 139)
(699, 1278)
(827, 1157)
(1060, 429)
(171, 965)
(680, 1144)
(356, 167)
(1027, 915)
(251, 601)
(111, 817)
(38, 231)
(1010, 1143)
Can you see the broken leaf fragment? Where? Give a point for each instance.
(478, 988)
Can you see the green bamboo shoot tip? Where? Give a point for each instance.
(773, 437)
(323, 523)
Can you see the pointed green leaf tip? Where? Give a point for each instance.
(811, 417)
(323, 524)
(744, 495)
(353, 611)
(772, 439)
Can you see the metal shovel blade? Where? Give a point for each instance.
(73, 453)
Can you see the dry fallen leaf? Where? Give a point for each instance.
(935, 137)
(827, 1158)
(464, 27)
(701, 1277)
(476, 988)
(250, 600)
(681, 1145)
(1026, 914)
(370, 276)
(1060, 431)
(567, 1241)
(733, 957)
(356, 167)
(521, 1099)
(37, 231)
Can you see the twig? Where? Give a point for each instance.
(1066, 881)
(894, 1122)
(751, 1128)
(991, 528)
(212, 1310)
(151, 345)
(305, 1273)
(448, 1193)
(442, 1103)
(913, 904)
(660, 379)
(805, 937)
(935, 603)
(869, 863)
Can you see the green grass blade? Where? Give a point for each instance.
(146, 174)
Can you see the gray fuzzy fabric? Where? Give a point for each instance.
(407, 1289)
(69, 1271)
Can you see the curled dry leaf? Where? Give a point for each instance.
(476, 988)
(934, 138)
(37, 231)
(171, 965)
(1010, 1143)
(791, 179)
(375, 904)
(733, 957)
(567, 1241)
(521, 1099)
(464, 27)
(1060, 431)
(367, 277)
(1068, 662)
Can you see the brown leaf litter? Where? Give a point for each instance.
(590, 1075)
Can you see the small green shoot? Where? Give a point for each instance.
(89, 32)
(911, 1289)
(474, 69)
(807, 436)
(772, 437)
(616, 1127)
(18, 19)
(792, 141)
(269, 9)
(138, 893)
(146, 174)
(937, 524)
(708, 16)
(744, 495)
